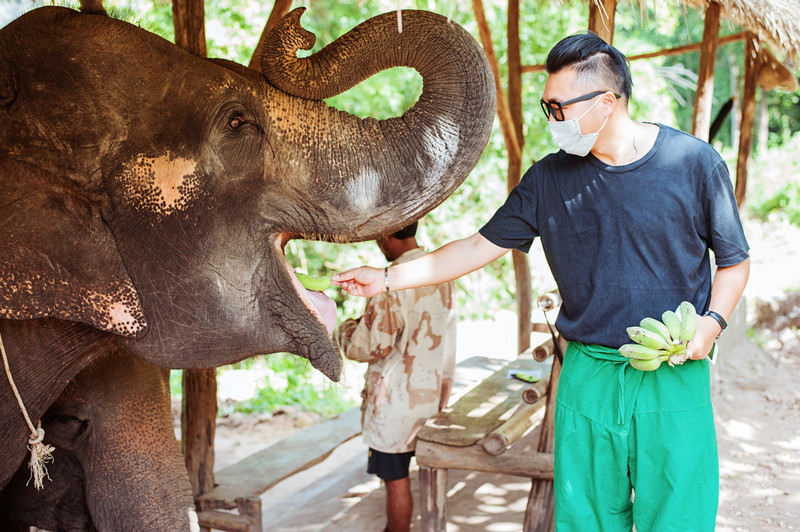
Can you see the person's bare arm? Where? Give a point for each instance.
(449, 262)
(726, 290)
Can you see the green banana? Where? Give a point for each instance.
(641, 352)
(653, 325)
(647, 338)
(648, 365)
(673, 324)
(688, 321)
(310, 282)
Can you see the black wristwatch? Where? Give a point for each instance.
(719, 318)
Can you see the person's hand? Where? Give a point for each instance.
(364, 281)
(703, 341)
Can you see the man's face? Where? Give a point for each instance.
(561, 87)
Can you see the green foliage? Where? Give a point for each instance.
(774, 182)
(287, 381)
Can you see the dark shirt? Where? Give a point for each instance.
(625, 242)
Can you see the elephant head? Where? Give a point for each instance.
(150, 193)
(117, 465)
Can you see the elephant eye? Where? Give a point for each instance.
(236, 122)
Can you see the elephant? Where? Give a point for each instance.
(117, 464)
(147, 194)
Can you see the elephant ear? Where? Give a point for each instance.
(58, 258)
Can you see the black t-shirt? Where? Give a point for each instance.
(625, 242)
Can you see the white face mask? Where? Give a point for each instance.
(567, 134)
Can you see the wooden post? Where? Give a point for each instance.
(704, 95)
(509, 112)
(601, 18)
(540, 513)
(280, 8)
(188, 18)
(199, 403)
(93, 7)
(513, 146)
(198, 425)
(522, 271)
(432, 494)
(751, 65)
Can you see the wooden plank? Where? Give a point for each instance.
(225, 521)
(262, 470)
(704, 95)
(479, 411)
(521, 459)
(751, 66)
(433, 495)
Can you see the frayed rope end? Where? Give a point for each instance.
(41, 454)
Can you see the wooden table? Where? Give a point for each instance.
(452, 440)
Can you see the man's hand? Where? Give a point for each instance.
(364, 281)
(702, 343)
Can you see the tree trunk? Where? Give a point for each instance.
(704, 95)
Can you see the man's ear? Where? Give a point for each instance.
(610, 103)
(57, 256)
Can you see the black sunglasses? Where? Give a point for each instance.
(556, 109)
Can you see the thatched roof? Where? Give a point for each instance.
(776, 22)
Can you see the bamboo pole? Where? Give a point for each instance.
(496, 442)
(704, 95)
(661, 53)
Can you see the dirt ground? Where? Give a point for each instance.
(757, 407)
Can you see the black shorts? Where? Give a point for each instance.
(388, 466)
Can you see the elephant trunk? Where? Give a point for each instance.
(381, 175)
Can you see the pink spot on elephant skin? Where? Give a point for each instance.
(162, 185)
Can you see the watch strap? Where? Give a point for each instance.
(718, 317)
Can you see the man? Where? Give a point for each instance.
(627, 212)
(408, 338)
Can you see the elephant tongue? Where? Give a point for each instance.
(326, 307)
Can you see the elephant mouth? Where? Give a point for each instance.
(318, 304)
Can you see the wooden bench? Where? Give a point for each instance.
(458, 438)
(240, 485)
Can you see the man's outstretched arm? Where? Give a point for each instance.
(449, 262)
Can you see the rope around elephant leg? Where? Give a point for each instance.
(40, 452)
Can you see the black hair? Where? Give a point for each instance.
(408, 231)
(594, 60)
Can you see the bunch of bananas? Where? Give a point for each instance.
(656, 341)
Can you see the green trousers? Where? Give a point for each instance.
(633, 447)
